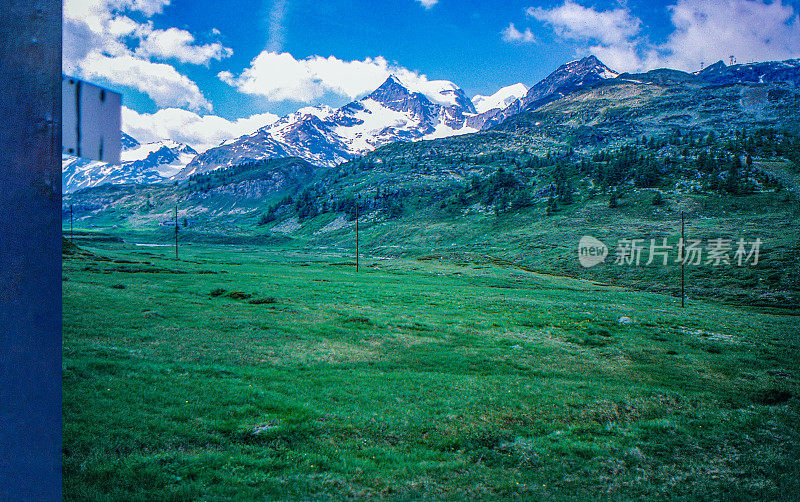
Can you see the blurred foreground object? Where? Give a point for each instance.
(91, 118)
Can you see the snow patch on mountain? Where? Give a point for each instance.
(363, 132)
(140, 163)
(500, 99)
(325, 136)
(441, 92)
(443, 130)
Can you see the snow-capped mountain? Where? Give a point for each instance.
(326, 136)
(566, 79)
(393, 112)
(500, 99)
(128, 142)
(571, 77)
(165, 158)
(140, 163)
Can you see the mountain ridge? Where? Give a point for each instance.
(427, 118)
(392, 112)
(325, 136)
(154, 162)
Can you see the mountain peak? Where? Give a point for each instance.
(392, 83)
(129, 142)
(718, 66)
(392, 79)
(568, 78)
(391, 91)
(591, 64)
(592, 60)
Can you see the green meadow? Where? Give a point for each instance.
(258, 373)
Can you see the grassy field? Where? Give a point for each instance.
(245, 372)
(528, 237)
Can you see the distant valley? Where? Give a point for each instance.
(585, 151)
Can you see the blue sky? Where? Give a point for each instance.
(202, 71)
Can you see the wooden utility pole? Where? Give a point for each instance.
(176, 231)
(356, 235)
(683, 262)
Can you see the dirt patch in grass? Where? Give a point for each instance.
(357, 320)
(415, 326)
(130, 270)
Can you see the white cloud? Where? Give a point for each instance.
(147, 7)
(200, 132)
(96, 14)
(281, 77)
(575, 21)
(101, 41)
(88, 31)
(160, 81)
(173, 43)
(84, 9)
(626, 57)
(512, 34)
(428, 3)
(751, 30)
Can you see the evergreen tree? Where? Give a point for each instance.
(734, 168)
(552, 207)
(658, 199)
(566, 197)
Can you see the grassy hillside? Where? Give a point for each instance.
(619, 161)
(244, 372)
(225, 202)
(471, 356)
(623, 109)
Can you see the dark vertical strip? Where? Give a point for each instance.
(78, 89)
(30, 251)
(683, 262)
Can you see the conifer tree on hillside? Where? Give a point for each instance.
(734, 170)
(612, 202)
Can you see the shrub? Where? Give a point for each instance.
(658, 199)
(772, 396)
(262, 301)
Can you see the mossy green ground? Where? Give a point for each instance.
(411, 379)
